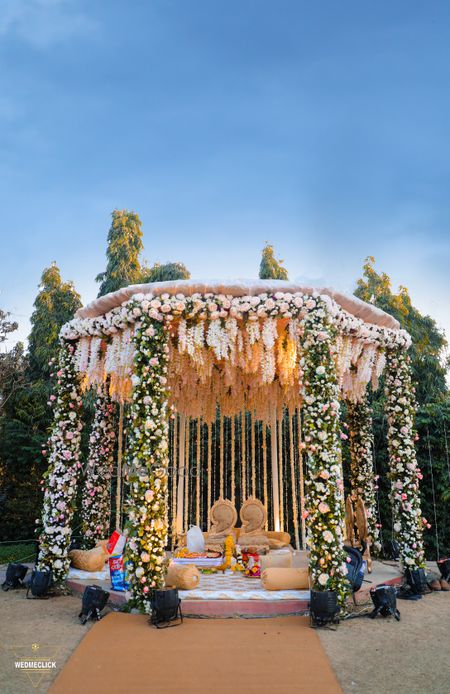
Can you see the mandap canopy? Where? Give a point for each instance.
(249, 374)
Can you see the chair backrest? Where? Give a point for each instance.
(253, 515)
(223, 517)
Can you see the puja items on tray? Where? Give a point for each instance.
(207, 559)
(252, 564)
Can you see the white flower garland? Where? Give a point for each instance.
(321, 437)
(362, 479)
(209, 306)
(148, 458)
(64, 468)
(96, 503)
(404, 471)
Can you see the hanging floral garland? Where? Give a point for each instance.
(362, 479)
(404, 471)
(64, 468)
(148, 459)
(322, 444)
(96, 503)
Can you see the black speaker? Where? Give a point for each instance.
(166, 608)
(93, 602)
(323, 608)
(384, 600)
(15, 573)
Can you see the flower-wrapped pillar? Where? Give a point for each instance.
(362, 477)
(148, 460)
(96, 501)
(324, 489)
(404, 472)
(61, 478)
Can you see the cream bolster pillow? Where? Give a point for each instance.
(183, 577)
(88, 559)
(275, 578)
(281, 560)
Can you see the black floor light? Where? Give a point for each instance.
(39, 583)
(166, 608)
(93, 602)
(444, 568)
(323, 608)
(15, 573)
(384, 600)
(417, 581)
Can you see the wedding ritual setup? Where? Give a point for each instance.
(214, 459)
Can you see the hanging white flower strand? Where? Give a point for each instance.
(148, 459)
(96, 503)
(404, 471)
(64, 468)
(322, 443)
(362, 479)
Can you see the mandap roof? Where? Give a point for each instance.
(239, 287)
(235, 343)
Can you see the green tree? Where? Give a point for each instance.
(55, 304)
(428, 350)
(165, 272)
(429, 364)
(270, 267)
(25, 416)
(124, 248)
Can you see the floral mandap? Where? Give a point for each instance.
(227, 390)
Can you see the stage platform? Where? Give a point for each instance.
(232, 595)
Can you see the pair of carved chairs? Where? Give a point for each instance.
(253, 516)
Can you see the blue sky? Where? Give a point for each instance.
(321, 127)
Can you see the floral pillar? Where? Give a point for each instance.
(404, 472)
(60, 480)
(362, 478)
(324, 488)
(148, 459)
(96, 503)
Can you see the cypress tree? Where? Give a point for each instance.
(270, 267)
(124, 248)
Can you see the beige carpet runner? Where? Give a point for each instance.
(122, 654)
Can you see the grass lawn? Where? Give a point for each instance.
(22, 551)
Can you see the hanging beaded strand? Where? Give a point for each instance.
(264, 454)
(280, 470)
(209, 441)
(197, 475)
(293, 482)
(301, 478)
(243, 460)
